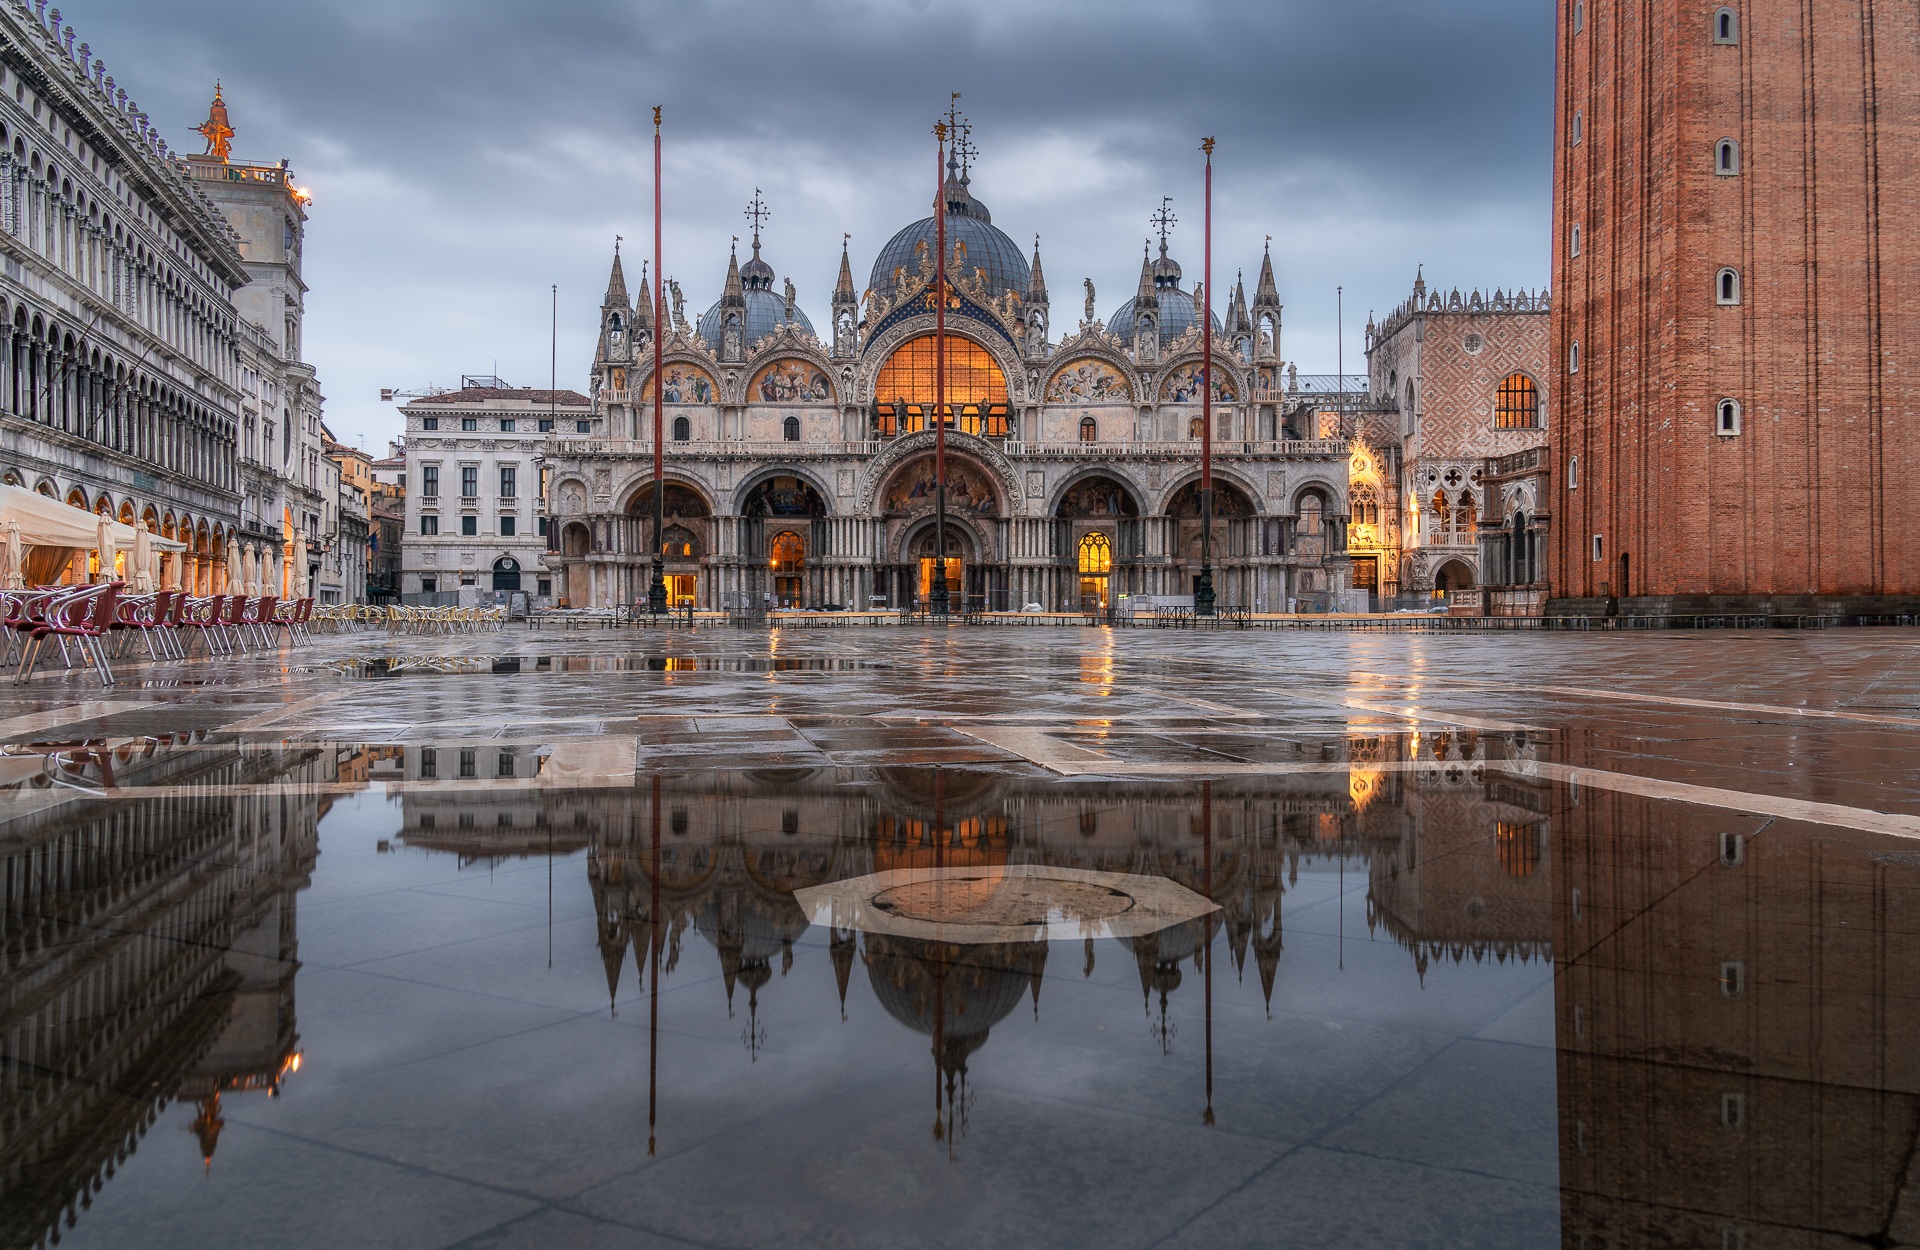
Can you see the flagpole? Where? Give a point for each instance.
(1203, 596)
(942, 603)
(657, 588)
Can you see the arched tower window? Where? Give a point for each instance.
(1727, 287)
(1517, 404)
(790, 429)
(1089, 432)
(1726, 25)
(1726, 158)
(1573, 240)
(682, 429)
(1726, 420)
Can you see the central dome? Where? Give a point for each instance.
(969, 222)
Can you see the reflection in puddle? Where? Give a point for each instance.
(1663, 1022)
(441, 665)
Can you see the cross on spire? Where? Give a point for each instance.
(1164, 220)
(757, 213)
(961, 131)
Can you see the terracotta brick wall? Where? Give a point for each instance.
(1816, 494)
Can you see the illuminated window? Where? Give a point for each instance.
(1518, 847)
(972, 375)
(1089, 432)
(788, 552)
(1517, 404)
(1096, 555)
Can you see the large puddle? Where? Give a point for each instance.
(257, 995)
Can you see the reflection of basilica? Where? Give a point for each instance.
(799, 460)
(150, 953)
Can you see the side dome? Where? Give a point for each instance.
(1176, 312)
(766, 313)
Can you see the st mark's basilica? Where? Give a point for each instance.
(800, 470)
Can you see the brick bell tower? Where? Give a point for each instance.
(1736, 238)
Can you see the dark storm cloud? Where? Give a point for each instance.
(464, 156)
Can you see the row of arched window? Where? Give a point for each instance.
(1724, 27)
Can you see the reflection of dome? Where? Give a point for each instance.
(969, 222)
(766, 312)
(979, 986)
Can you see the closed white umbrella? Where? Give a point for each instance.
(142, 571)
(297, 575)
(16, 578)
(234, 573)
(104, 544)
(248, 574)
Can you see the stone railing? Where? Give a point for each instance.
(1181, 449)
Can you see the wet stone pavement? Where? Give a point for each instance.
(967, 938)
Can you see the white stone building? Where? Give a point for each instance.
(476, 514)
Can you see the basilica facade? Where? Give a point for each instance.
(799, 463)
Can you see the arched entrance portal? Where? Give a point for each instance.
(788, 553)
(1452, 576)
(923, 550)
(506, 573)
(1096, 563)
(685, 525)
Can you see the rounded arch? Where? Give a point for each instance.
(1095, 492)
(575, 539)
(689, 381)
(1453, 575)
(1182, 496)
(974, 374)
(1180, 384)
(882, 468)
(880, 352)
(1517, 402)
(1087, 378)
(1325, 489)
(791, 379)
(970, 488)
(964, 541)
(685, 497)
(764, 488)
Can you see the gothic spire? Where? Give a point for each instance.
(843, 292)
(1037, 282)
(616, 281)
(1145, 297)
(643, 303)
(1265, 295)
(1237, 318)
(735, 295)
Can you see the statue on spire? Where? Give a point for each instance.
(216, 129)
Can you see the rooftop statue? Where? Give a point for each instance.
(218, 133)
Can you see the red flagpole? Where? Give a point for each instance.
(1203, 596)
(940, 598)
(657, 589)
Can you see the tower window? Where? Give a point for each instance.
(1089, 432)
(1573, 473)
(1726, 158)
(1573, 357)
(1517, 404)
(790, 429)
(682, 429)
(1573, 240)
(1726, 422)
(1579, 16)
(1726, 25)
(1579, 118)
(1599, 548)
(1727, 287)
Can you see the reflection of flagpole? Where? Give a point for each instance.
(653, 1022)
(1206, 944)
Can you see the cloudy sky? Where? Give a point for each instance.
(466, 155)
